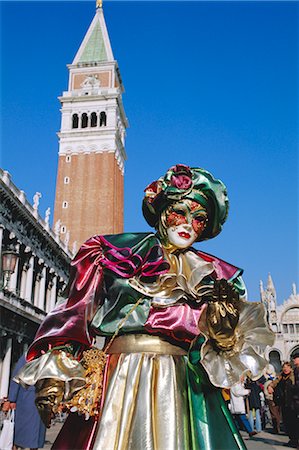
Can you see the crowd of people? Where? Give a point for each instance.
(272, 399)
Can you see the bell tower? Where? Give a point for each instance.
(89, 186)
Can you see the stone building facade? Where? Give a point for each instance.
(90, 179)
(39, 276)
(284, 321)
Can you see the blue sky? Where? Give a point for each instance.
(208, 84)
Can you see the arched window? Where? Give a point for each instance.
(295, 351)
(94, 120)
(84, 120)
(68, 158)
(103, 119)
(274, 359)
(75, 122)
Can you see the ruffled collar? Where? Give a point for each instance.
(182, 282)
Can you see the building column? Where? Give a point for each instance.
(36, 289)
(14, 275)
(42, 289)
(53, 294)
(23, 280)
(1, 238)
(48, 296)
(29, 279)
(5, 372)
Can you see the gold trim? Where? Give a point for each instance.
(143, 343)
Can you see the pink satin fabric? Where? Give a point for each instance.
(222, 268)
(178, 322)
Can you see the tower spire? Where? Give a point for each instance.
(92, 140)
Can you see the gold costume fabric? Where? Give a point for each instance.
(146, 405)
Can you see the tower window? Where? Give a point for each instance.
(75, 121)
(65, 204)
(68, 158)
(84, 120)
(63, 229)
(103, 119)
(66, 180)
(94, 120)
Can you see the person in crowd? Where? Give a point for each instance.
(237, 407)
(29, 429)
(254, 404)
(296, 391)
(296, 361)
(273, 408)
(283, 389)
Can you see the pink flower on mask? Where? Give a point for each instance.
(182, 177)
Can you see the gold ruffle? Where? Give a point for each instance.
(182, 281)
(56, 365)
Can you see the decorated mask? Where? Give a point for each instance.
(179, 185)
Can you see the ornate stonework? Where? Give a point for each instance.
(284, 321)
(39, 278)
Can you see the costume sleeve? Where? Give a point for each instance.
(69, 322)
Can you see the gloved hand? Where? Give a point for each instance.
(223, 315)
(49, 393)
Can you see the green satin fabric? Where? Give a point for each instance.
(212, 425)
(120, 296)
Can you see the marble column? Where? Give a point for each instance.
(36, 289)
(48, 296)
(5, 372)
(1, 238)
(42, 289)
(53, 294)
(23, 280)
(14, 275)
(29, 279)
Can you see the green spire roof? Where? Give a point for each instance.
(96, 43)
(95, 47)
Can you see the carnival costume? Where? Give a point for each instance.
(177, 326)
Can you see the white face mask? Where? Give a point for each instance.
(186, 221)
(181, 236)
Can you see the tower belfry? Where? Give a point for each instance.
(89, 187)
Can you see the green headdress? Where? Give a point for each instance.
(182, 182)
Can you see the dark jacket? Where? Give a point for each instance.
(284, 390)
(254, 398)
(296, 390)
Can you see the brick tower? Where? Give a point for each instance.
(89, 187)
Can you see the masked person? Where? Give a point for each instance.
(177, 326)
